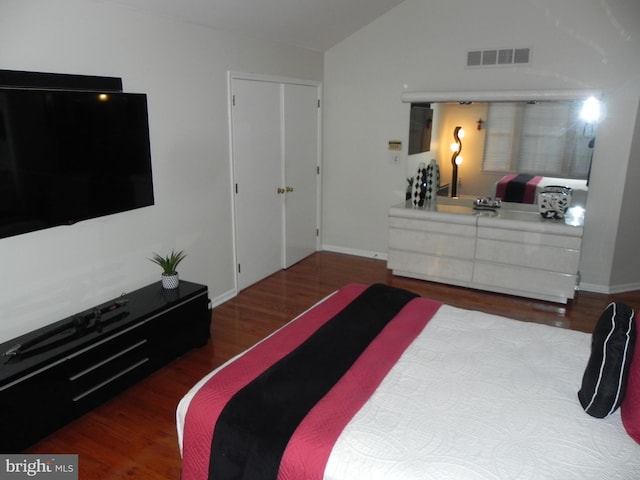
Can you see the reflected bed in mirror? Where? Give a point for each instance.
(515, 142)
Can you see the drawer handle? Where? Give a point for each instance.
(107, 360)
(111, 379)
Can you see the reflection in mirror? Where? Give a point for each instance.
(420, 123)
(511, 146)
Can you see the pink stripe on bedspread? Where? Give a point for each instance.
(502, 185)
(530, 190)
(309, 449)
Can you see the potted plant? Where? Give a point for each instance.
(409, 192)
(169, 263)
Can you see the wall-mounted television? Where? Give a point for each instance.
(68, 156)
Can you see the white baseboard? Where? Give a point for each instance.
(228, 295)
(594, 288)
(356, 252)
(625, 287)
(220, 299)
(609, 289)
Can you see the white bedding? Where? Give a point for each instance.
(478, 396)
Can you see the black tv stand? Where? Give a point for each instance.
(57, 373)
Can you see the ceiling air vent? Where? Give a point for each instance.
(498, 57)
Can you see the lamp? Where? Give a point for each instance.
(590, 113)
(456, 159)
(590, 110)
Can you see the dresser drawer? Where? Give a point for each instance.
(467, 229)
(430, 267)
(530, 282)
(105, 348)
(530, 238)
(87, 377)
(434, 243)
(554, 259)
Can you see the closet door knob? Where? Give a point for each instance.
(280, 191)
(289, 189)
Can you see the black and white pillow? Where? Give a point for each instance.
(605, 378)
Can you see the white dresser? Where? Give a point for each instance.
(512, 250)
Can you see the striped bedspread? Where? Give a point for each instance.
(277, 411)
(519, 188)
(472, 396)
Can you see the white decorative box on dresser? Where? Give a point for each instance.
(511, 250)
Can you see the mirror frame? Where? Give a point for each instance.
(499, 95)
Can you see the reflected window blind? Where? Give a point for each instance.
(545, 138)
(542, 147)
(500, 137)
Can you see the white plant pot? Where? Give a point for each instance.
(170, 281)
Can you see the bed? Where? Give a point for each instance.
(523, 188)
(437, 393)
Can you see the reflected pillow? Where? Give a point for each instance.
(612, 344)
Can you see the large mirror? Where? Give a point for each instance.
(514, 143)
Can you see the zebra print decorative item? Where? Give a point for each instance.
(432, 181)
(418, 193)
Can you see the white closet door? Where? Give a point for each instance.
(300, 121)
(258, 167)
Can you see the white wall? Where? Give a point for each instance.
(625, 265)
(421, 45)
(51, 274)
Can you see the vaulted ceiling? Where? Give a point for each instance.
(312, 24)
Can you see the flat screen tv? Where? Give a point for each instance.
(68, 156)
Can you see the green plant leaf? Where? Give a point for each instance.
(168, 263)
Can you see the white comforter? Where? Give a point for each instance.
(478, 396)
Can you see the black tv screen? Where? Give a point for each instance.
(67, 156)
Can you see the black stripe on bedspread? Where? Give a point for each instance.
(254, 428)
(516, 188)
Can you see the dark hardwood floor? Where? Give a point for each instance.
(133, 435)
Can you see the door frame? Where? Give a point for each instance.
(234, 75)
